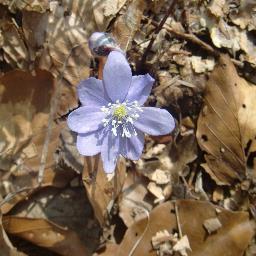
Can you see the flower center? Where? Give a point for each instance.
(121, 116)
(120, 112)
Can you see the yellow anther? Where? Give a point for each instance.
(120, 112)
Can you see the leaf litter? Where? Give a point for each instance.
(191, 193)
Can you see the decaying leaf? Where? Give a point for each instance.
(45, 234)
(230, 239)
(133, 202)
(128, 24)
(6, 247)
(102, 192)
(212, 225)
(14, 48)
(226, 126)
(245, 17)
(25, 107)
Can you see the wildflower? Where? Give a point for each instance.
(112, 120)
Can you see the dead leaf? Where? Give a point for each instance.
(128, 24)
(45, 234)
(226, 125)
(24, 112)
(202, 65)
(35, 5)
(6, 247)
(231, 239)
(100, 191)
(245, 17)
(67, 207)
(14, 48)
(133, 199)
(218, 8)
(212, 225)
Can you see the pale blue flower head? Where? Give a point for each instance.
(112, 120)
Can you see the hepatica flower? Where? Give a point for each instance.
(112, 120)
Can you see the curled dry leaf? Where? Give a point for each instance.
(45, 234)
(6, 247)
(34, 5)
(15, 52)
(231, 239)
(226, 125)
(102, 192)
(245, 17)
(128, 24)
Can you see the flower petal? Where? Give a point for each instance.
(117, 76)
(89, 144)
(109, 152)
(155, 121)
(132, 147)
(140, 88)
(91, 92)
(85, 119)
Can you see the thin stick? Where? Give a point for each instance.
(178, 219)
(158, 28)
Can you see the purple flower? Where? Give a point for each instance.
(111, 120)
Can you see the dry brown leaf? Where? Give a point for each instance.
(34, 5)
(25, 106)
(128, 24)
(6, 247)
(134, 199)
(45, 234)
(231, 239)
(15, 52)
(245, 17)
(226, 125)
(105, 11)
(218, 8)
(200, 65)
(102, 192)
(212, 225)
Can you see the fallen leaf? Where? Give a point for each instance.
(18, 56)
(245, 16)
(102, 192)
(45, 234)
(133, 199)
(226, 125)
(212, 225)
(128, 24)
(24, 112)
(182, 246)
(6, 247)
(231, 239)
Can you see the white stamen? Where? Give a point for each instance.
(121, 123)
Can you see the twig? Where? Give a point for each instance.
(158, 28)
(178, 219)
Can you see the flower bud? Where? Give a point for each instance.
(101, 44)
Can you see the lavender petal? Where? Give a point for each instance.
(89, 144)
(91, 92)
(86, 119)
(110, 152)
(117, 76)
(132, 147)
(155, 121)
(140, 88)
